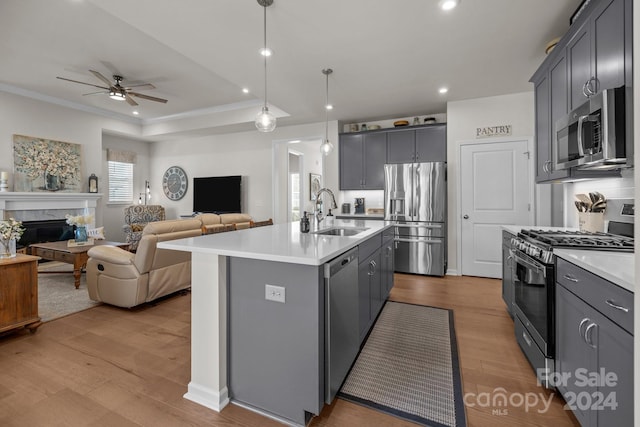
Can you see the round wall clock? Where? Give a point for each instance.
(174, 183)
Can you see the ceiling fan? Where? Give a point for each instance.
(118, 92)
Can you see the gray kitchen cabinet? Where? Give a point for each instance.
(387, 267)
(424, 144)
(508, 284)
(369, 292)
(598, 51)
(375, 278)
(599, 37)
(579, 59)
(362, 159)
(594, 353)
(364, 298)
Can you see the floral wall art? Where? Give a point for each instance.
(46, 165)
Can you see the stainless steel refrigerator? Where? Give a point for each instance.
(416, 200)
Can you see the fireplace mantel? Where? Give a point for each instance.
(30, 205)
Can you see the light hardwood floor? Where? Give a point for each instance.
(112, 367)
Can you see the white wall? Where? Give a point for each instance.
(244, 153)
(26, 116)
(463, 117)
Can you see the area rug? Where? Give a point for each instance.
(57, 296)
(409, 367)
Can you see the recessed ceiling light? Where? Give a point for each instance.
(245, 90)
(295, 141)
(448, 4)
(443, 90)
(265, 51)
(135, 113)
(329, 107)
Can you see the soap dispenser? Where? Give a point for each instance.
(305, 225)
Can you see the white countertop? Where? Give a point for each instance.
(616, 267)
(279, 242)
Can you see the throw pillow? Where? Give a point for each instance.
(137, 227)
(96, 233)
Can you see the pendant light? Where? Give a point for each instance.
(327, 147)
(265, 121)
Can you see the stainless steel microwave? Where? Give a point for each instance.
(593, 135)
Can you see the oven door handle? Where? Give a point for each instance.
(530, 264)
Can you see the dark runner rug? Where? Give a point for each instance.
(409, 367)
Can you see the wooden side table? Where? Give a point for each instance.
(19, 293)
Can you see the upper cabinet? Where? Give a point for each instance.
(596, 51)
(362, 159)
(594, 55)
(427, 144)
(364, 154)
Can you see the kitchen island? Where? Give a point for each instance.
(272, 353)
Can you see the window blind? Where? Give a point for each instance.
(120, 182)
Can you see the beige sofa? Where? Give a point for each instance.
(125, 279)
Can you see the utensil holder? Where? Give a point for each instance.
(591, 221)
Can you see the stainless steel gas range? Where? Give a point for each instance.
(534, 283)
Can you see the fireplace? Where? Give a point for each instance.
(43, 213)
(45, 231)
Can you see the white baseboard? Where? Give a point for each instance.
(207, 397)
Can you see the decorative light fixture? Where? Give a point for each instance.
(265, 121)
(118, 95)
(448, 4)
(147, 196)
(327, 146)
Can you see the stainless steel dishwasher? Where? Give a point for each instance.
(341, 326)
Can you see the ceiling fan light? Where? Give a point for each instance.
(117, 95)
(326, 147)
(265, 121)
(448, 4)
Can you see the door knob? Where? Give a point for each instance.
(466, 217)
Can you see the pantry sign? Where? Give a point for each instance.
(486, 132)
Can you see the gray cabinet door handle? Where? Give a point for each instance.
(587, 335)
(526, 338)
(585, 320)
(466, 217)
(616, 306)
(571, 278)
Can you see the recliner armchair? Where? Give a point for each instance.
(136, 217)
(125, 279)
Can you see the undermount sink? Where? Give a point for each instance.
(340, 231)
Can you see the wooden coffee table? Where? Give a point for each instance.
(76, 255)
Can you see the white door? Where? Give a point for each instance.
(496, 186)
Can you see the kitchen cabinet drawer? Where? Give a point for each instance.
(368, 247)
(388, 234)
(608, 298)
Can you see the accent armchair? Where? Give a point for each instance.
(136, 217)
(125, 279)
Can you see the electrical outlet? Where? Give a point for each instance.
(274, 293)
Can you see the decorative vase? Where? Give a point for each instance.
(51, 182)
(7, 248)
(81, 233)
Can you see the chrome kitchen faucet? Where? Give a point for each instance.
(318, 216)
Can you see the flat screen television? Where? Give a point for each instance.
(217, 194)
